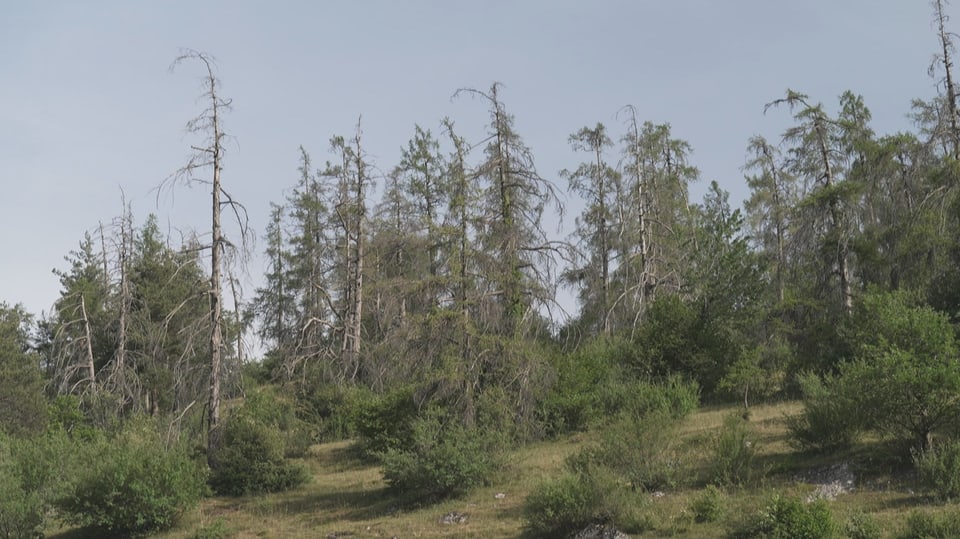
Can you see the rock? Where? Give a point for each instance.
(499, 495)
(831, 482)
(600, 531)
(453, 517)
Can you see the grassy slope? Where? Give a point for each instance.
(348, 497)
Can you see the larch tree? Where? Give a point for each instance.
(520, 256)
(208, 155)
(598, 183)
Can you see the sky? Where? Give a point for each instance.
(90, 113)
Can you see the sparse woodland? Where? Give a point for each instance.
(407, 317)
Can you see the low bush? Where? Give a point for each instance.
(386, 422)
(735, 453)
(568, 504)
(268, 406)
(21, 508)
(863, 526)
(332, 409)
(939, 470)
(923, 525)
(640, 449)
(250, 459)
(134, 484)
(791, 518)
(829, 420)
(444, 459)
(708, 506)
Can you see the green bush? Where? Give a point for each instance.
(735, 453)
(830, 418)
(332, 410)
(640, 449)
(560, 507)
(791, 518)
(708, 506)
(21, 508)
(863, 526)
(922, 525)
(577, 398)
(387, 422)
(250, 459)
(133, 485)
(268, 406)
(563, 506)
(445, 459)
(939, 470)
(674, 395)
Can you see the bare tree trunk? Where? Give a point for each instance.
(86, 328)
(843, 268)
(948, 72)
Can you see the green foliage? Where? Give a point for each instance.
(22, 406)
(34, 473)
(708, 506)
(333, 410)
(923, 525)
(831, 417)
(386, 422)
(938, 469)
(791, 518)
(218, 529)
(640, 449)
(250, 459)
(563, 506)
(134, 484)
(444, 459)
(905, 379)
(268, 406)
(862, 526)
(674, 395)
(735, 452)
(677, 338)
(21, 507)
(577, 399)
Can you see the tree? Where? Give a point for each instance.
(945, 60)
(770, 207)
(209, 123)
(598, 183)
(519, 260)
(820, 157)
(905, 373)
(654, 213)
(22, 405)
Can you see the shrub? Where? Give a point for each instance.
(677, 397)
(939, 470)
(735, 453)
(708, 506)
(921, 525)
(863, 526)
(268, 407)
(830, 418)
(21, 508)
(559, 507)
(134, 485)
(791, 518)
(250, 460)
(386, 422)
(583, 379)
(639, 449)
(445, 459)
(332, 410)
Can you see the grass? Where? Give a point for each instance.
(348, 498)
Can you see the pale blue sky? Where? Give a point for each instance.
(87, 106)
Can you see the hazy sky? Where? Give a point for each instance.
(88, 106)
